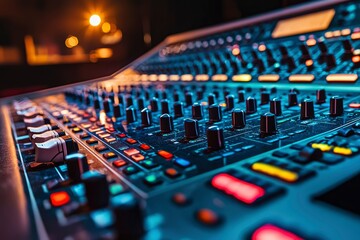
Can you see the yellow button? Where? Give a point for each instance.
(323, 147)
(187, 77)
(242, 78)
(301, 78)
(269, 78)
(219, 78)
(275, 171)
(349, 78)
(202, 77)
(343, 151)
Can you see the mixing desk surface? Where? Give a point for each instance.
(249, 130)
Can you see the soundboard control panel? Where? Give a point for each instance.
(249, 130)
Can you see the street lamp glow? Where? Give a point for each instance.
(95, 20)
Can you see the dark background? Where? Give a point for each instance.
(49, 22)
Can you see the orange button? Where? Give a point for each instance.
(131, 151)
(121, 135)
(59, 199)
(172, 172)
(165, 154)
(180, 199)
(119, 163)
(144, 147)
(354, 105)
(207, 216)
(131, 141)
(137, 157)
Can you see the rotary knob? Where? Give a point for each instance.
(307, 110)
(320, 96)
(178, 109)
(146, 117)
(336, 106)
(241, 96)
(251, 106)
(188, 99)
(230, 102)
(264, 98)
(215, 114)
(197, 111)
(267, 124)
(211, 99)
(165, 106)
(191, 127)
(154, 104)
(215, 138)
(166, 123)
(275, 107)
(238, 118)
(130, 115)
(292, 99)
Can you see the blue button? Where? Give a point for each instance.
(182, 162)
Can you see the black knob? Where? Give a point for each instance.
(336, 106)
(251, 106)
(348, 49)
(215, 138)
(178, 109)
(96, 189)
(275, 107)
(191, 127)
(264, 98)
(241, 96)
(121, 98)
(197, 111)
(129, 217)
(165, 106)
(199, 94)
(188, 99)
(292, 99)
(140, 103)
(230, 102)
(76, 165)
(211, 99)
(108, 106)
(307, 109)
(166, 123)
(176, 96)
(267, 124)
(146, 117)
(154, 104)
(238, 119)
(320, 96)
(118, 110)
(130, 115)
(215, 114)
(97, 104)
(129, 101)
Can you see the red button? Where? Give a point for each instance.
(172, 172)
(239, 189)
(121, 135)
(165, 154)
(131, 151)
(180, 199)
(131, 141)
(119, 163)
(137, 157)
(110, 130)
(144, 147)
(58, 199)
(207, 216)
(271, 232)
(354, 105)
(93, 119)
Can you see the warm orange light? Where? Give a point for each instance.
(355, 59)
(309, 62)
(106, 27)
(311, 42)
(95, 20)
(262, 47)
(235, 51)
(71, 42)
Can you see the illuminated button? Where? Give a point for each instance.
(345, 31)
(93, 119)
(137, 157)
(131, 151)
(110, 139)
(354, 105)
(144, 147)
(174, 77)
(343, 151)
(76, 130)
(94, 129)
(116, 189)
(104, 135)
(163, 77)
(172, 172)
(301, 78)
(121, 135)
(269, 78)
(202, 77)
(101, 149)
(237, 188)
(311, 42)
(84, 136)
(109, 155)
(271, 232)
(342, 78)
(110, 130)
(91, 141)
(322, 146)
(207, 216)
(130, 170)
(355, 36)
(149, 164)
(59, 199)
(187, 77)
(242, 78)
(152, 180)
(182, 162)
(275, 171)
(219, 78)
(165, 154)
(131, 141)
(180, 199)
(119, 163)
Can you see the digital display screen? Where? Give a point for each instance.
(303, 24)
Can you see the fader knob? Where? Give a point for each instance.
(146, 117)
(307, 109)
(118, 110)
(191, 127)
(336, 106)
(251, 106)
(178, 109)
(230, 102)
(166, 123)
(275, 107)
(108, 106)
(215, 114)
(292, 99)
(129, 217)
(215, 138)
(320, 96)
(129, 101)
(96, 189)
(130, 115)
(140, 103)
(76, 165)
(197, 111)
(267, 124)
(238, 118)
(97, 103)
(36, 121)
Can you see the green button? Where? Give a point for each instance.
(151, 178)
(115, 189)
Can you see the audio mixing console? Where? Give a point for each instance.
(249, 130)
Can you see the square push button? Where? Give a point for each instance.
(59, 199)
(152, 180)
